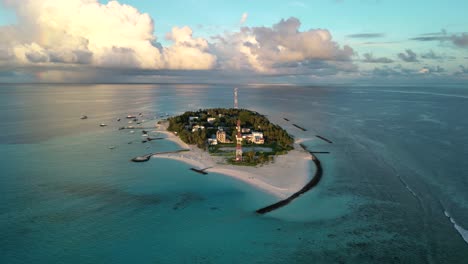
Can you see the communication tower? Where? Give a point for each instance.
(238, 127)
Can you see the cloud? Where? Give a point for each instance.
(243, 18)
(86, 32)
(463, 71)
(395, 71)
(431, 55)
(187, 52)
(369, 58)
(366, 35)
(460, 40)
(408, 56)
(268, 49)
(54, 36)
(431, 69)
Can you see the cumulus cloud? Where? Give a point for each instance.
(102, 35)
(62, 40)
(187, 52)
(267, 49)
(243, 18)
(408, 56)
(369, 58)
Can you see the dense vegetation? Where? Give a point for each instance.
(275, 137)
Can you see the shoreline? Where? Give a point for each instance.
(281, 178)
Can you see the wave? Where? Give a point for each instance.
(407, 187)
(463, 232)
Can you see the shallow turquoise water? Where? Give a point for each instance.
(397, 163)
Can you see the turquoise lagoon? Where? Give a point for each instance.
(397, 168)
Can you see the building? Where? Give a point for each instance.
(222, 137)
(193, 119)
(212, 141)
(211, 120)
(197, 127)
(257, 137)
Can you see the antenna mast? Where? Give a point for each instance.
(238, 127)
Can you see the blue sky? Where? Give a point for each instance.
(387, 38)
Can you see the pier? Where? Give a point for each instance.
(148, 156)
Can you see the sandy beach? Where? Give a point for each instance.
(283, 177)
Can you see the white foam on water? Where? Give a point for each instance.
(463, 232)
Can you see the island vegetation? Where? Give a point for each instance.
(215, 130)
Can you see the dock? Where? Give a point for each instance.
(147, 157)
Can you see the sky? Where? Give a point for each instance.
(315, 41)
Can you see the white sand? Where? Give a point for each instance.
(285, 176)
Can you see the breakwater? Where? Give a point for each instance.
(301, 128)
(324, 139)
(312, 183)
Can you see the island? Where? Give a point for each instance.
(216, 130)
(272, 160)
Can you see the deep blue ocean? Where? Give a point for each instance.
(394, 188)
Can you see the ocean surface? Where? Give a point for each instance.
(394, 188)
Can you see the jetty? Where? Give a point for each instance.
(201, 171)
(312, 183)
(148, 156)
(324, 139)
(301, 128)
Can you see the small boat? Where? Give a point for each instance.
(144, 135)
(118, 119)
(131, 116)
(84, 117)
(102, 125)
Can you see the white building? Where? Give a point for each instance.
(212, 141)
(197, 127)
(211, 120)
(257, 137)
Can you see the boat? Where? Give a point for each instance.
(142, 158)
(102, 125)
(84, 117)
(131, 116)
